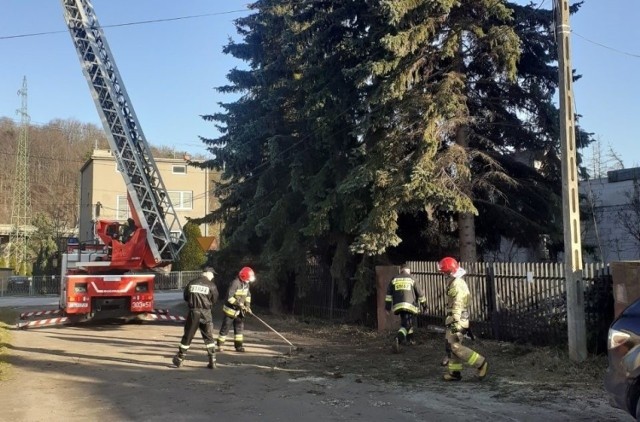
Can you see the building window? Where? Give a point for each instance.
(179, 169)
(181, 200)
(122, 207)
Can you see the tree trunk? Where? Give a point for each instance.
(275, 302)
(466, 221)
(467, 237)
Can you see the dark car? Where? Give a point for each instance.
(622, 379)
(18, 284)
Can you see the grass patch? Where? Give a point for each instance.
(7, 319)
(8, 316)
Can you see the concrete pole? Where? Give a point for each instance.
(570, 203)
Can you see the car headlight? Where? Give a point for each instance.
(617, 338)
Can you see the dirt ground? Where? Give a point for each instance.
(122, 372)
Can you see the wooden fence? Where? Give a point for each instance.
(521, 302)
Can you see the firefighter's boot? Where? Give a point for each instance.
(411, 341)
(396, 345)
(447, 357)
(482, 370)
(220, 343)
(452, 376)
(238, 346)
(178, 359)
(212, 362)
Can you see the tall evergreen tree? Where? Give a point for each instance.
(417, 102)
(515, 128)
(260, 133)
(364, 124)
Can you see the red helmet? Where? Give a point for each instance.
(246, 275)
(448, 265)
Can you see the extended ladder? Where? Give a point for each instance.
(147, 192)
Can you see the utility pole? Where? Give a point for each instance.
(570, 204)
(21, 205)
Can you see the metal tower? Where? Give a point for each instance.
(21, 204)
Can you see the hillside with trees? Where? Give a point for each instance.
(57, 152)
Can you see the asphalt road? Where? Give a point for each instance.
(122, 372)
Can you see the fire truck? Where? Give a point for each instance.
(112, 276)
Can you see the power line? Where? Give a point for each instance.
(626, 53)
(228, 12)
(117, 25)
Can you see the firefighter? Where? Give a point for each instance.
(403, 294)
(235, 308)
(200, 294)
(128, 230)
(457, 323)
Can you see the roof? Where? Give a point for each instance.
(208, 243)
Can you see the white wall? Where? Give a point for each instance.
(603, 229)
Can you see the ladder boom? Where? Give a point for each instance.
(147, 193)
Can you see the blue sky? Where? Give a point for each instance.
(170, 69)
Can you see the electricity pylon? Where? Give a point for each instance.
(21, 204)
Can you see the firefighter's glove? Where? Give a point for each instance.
(423, 307)
(454, 328)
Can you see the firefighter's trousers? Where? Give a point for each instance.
(406, 327)
(198, 319)
(460, 354)
(238, 328)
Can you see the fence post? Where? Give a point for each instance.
(333, 282)
(383, 275)
(492, 302)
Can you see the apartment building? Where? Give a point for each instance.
(611, 221)
(103, 193)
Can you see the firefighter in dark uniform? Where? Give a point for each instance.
(403, 296)
(200, 294)
(457, 323)
(237, 305)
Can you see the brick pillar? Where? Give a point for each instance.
(626, 289)
(384, 274)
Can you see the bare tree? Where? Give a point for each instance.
(598, 163)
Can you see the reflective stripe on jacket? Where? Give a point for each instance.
(238, 295)
(403, 294)
(458, 297)
(200, 293)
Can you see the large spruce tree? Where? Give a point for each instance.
(364, 128)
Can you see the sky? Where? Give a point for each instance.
(171, 69)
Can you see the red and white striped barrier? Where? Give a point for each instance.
(25, 315)
(166, 317)
(43, 322)
(158, 315)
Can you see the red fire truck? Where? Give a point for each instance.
(111, 276)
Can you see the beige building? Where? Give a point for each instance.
(103, 193)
